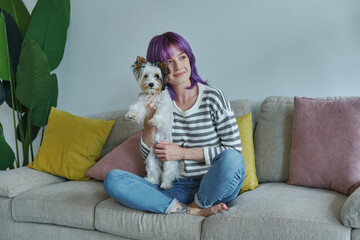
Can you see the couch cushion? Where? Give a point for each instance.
(6, 222)
(112, 217)
(280, 211)
(240, 107)
(11, 230)
(350, 213)
(70, 204)
(19, 180)
(355, 234)
(272, 139)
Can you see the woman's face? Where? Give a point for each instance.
(180, 69)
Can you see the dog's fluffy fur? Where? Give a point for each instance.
(152, 79)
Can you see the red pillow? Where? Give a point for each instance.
(126, 157)
(326, 144)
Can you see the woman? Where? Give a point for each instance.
(205, 138)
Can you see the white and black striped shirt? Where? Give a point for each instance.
(209, 124)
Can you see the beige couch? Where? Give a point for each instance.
(36, 205)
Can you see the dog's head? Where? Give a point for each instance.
(152, 78)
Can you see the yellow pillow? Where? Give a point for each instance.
(246, 134)
(71, 145)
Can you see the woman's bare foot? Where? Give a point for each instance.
(193, 209)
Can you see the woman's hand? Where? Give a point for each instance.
(149, 131)
(167, 151)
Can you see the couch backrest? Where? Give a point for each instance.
(240, 107)
(272, 139)
(123, 128)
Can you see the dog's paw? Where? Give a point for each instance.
(154, 123)
(131, 116)
(153, 180)
(166, 185)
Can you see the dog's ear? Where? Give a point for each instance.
(137, 65)
(166, 79)
(165, 72)
(140, 60)
(164, 68)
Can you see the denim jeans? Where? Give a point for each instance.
(221, 184)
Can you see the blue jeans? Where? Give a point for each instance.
(221, 184)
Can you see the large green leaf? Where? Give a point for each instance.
(67, 7)
(7, 155)
(4, 56)
(23, 124)
(40, 114)
(14, 40)
(7, 88)
(18, 11)
(33, 76)
(48, 27)
(2, 93)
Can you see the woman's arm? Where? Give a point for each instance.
(167, 151)
(228, 133)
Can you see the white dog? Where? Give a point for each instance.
(152, 79)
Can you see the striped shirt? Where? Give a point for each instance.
(209, 124)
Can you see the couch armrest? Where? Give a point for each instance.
(16, 181)
(350, 212)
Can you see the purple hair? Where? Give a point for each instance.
(159, 50)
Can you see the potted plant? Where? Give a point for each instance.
(31, 47)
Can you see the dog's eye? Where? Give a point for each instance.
(146, 76)
(157, 76)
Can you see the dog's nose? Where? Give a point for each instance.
(151, 85)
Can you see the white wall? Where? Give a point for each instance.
(249, 49)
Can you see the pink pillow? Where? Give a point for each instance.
(126, 157)
(325, 149)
